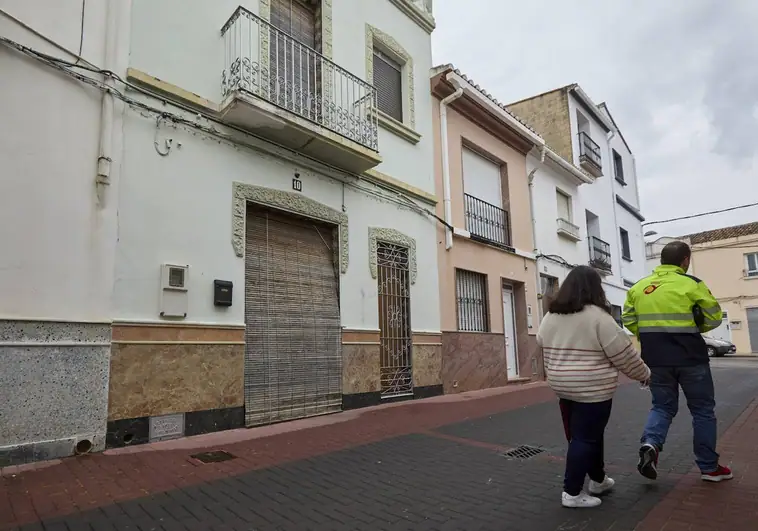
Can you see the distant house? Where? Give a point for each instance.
(727, 261)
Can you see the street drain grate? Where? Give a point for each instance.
(523, 452)
(213, 457)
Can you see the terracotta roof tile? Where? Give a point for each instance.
(449, 66)
(722, 234)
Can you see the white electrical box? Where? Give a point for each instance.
(529, 321)
(174, 290)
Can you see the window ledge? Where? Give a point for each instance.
(397, 127)
(627, 258)
(753, 277)
(622, 182)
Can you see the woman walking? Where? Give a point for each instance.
(584, 350)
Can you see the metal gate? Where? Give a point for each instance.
(752, 327)
(293, 359)
(394, 319)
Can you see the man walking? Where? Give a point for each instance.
(668, 311)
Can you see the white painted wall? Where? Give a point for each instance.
(179, 41)
(178, 209)
(635, 269)
(546, 180)
(600, 199)
(629, 192)
(57, 245)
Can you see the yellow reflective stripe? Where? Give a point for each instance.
(711, 309)
(629, 319)
(713, 322)
(669, 329)
(665, 317)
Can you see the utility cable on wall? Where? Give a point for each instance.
(68, 68)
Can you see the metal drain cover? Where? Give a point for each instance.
(213, 457)
(523, 452)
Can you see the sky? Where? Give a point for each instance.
(679, 76)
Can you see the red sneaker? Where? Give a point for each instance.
(722, 473)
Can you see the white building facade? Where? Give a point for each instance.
(266, 250)
(606, 213)
(559, 223)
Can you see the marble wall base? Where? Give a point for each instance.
(530, 360)
(472, 361)
(427, 365)
(53, 389)
(157, 379)
(360, 368)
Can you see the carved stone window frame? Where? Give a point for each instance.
(393, 236)
(292, 202)
(376, 38)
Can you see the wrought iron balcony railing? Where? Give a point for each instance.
(568, 228)
(600, 253)
(487, 222)
(265, 62)
(589, 150)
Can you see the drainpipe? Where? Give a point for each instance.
(446, 162)
(103, 178)
(530, 180)
(610, 136)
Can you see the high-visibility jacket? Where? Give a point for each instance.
(668, 311)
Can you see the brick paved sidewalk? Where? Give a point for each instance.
(431, 465)
(79, 484)
(695, 505)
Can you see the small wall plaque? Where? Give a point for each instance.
(166, 427)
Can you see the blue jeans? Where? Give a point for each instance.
(697, 383)
(584, 424)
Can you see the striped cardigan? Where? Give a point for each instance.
(584, 353)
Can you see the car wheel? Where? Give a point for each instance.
(711, 352)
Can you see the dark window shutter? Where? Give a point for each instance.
(388, 80)
(295, 18)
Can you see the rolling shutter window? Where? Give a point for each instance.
(481, 178)
(388, 80)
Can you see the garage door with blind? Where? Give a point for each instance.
(293, 360)
(752, 326)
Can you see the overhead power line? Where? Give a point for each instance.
(709, 213)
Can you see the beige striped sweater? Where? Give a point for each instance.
(584, 353)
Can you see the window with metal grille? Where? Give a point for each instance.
(388, 80)
(471, 300)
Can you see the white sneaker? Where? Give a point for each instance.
(601, 488)
(580, 501)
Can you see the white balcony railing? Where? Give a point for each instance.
(567, 228)
(265, 62)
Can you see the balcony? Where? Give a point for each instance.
(486, 222)
(600, 254)
(286, 92)
(589, 155)
(568, 230)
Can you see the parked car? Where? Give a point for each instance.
(718, 347)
